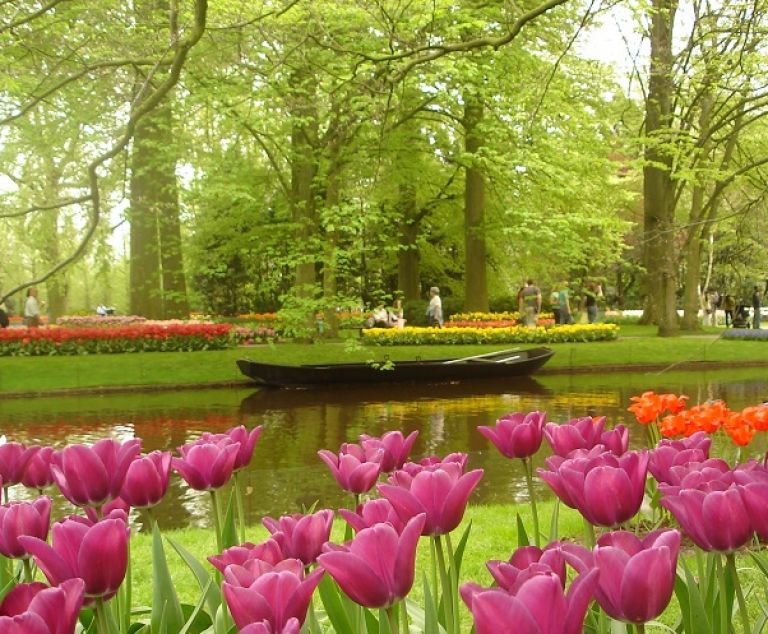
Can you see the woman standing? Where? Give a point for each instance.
(32, 309)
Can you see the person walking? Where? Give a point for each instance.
(554, 304)
(435, 308)
(591, 293)
(729, 305)
(530, 303)
(565, 306)
(756, 308)
(32, 309)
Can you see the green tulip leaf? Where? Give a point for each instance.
(698, 620)
(522, 535)
(431, 622)
(196, 621)
(555, 523)
(210, 590)
(334, 606)
(165, 602)
(229, 527)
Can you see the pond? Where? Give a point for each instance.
(286, 475)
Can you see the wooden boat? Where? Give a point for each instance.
(503, 363)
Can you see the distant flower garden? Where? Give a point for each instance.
(170, 337)
(99, 321)
(478, 335)
(745, 334)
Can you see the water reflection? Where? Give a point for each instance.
(286, 474)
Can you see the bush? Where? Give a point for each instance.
(514, 334)
(503, 304)
(451, 306)
(415, 312)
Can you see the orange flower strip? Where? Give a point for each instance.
(649, 406)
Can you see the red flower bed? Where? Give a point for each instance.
(145, 338)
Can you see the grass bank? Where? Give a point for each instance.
(637, 346)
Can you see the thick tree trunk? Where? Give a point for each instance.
(692, 291)
(658, 187)
(476, 279)
(330, 261)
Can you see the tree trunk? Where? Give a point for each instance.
(692, 290)
(408, 259)
(658, 187)
(475, 280)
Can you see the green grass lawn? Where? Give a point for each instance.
(637, 345)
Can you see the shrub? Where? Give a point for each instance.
(503, 304)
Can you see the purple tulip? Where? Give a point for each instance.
(23, 518)
(715, 520)
(579, 433)
(396, 448)
(14, 458)
(441, 495)
(37, 474)
(701, 441)
(118, 504)
(206, 466)
(97, 553)
(373, 512)
(606, 489)
(34, 608)
(292, 626)
(517, 435)
(616, 440)
(268, 551)
(665, 457)
(276, 596)
(435, 462)
(637, 576)
(247, 440)
(146, 480)
(92, 476)
(538, 605)
(301, 536)
(376, 569)
(710, 474)
(508, 574)
(354, 469)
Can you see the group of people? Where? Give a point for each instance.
(736, 313)
(529, 300)
(31, 311)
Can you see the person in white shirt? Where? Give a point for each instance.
(435, 308)
(32, 309)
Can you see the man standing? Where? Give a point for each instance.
(756, 308)
(32, 309)
(530, 303)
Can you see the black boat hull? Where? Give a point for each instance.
(521, 363)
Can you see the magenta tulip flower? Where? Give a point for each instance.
(247, 440)
(14, 458)
(23, 518)
(526, 558)
(714, 520)
(708, 475)
(376, 569)
(538, 605)
(268, 551)
(637, 576)
(435, 462)
(665, 457)
(373, 512)
(517, 435)
(354, 469)
(701, 441)
(146, 480)
(95, 513)
(579, 433)
(97, 553)
(396, 448)
(441, 495)
(616, 440)
(34, 608)
(37, 474)
(292, 626)
(301, 536)
(92, 476)
(275, 596)
(606, 489)
(206, 466)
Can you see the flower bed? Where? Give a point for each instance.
(513, 316)
(154, 338)
(514, 334)
(98, 321)
(494, 323)
(745, 334)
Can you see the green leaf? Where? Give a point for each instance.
(197, 621)
(333, 603)
(699, 618)
(554, 525)
(522, 536)
(211, 590)
(165, 602)
(458, 554)
(431, 623)
(229, 527)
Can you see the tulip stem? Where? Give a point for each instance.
(454, 579)
(640, 627)
(217, 520)
(6, 495)
(404, 615)
(394, 624)
(447, 590)
(240, 506)
(722, 593)
(528, 467)
(589, 534)
(27, 570)
(743, 612)
(433, 558)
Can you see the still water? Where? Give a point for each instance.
(286, 475)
